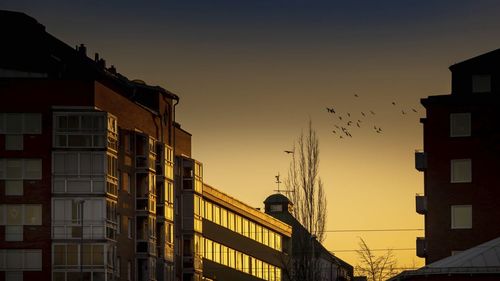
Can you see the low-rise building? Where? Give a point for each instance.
(305, 246)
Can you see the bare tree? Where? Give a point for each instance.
(305, 190)
(375, 268)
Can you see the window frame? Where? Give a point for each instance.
(455, 121)
(456, 177)
(453, 220)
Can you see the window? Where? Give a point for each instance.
(21, 214)
(19, 168)
(129, 225)
(216, 214)
(33, 214)
(20, 123)
(129, 271)
(461, 170)
(230, 220)
(126, 181)
(223, 217)
(460, 124)
(276, 208)
(118, 224)
(251, 230)
(13, 233)
(258, 233)
(32, 169)
(20, 259)
(13, 142)
(481, 83)
(14, 276)
(277, 242)
(14, 187)
(461, 216)
(245, 227)
(271, 239)
(80, 129)
(118, 266)
(208, 210)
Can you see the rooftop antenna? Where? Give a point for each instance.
(285, 191)
(278, 182)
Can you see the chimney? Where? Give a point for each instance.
(96, 57)
(112, 69)
(82, 50)
(101, 63)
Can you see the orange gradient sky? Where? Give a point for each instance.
(250, 74)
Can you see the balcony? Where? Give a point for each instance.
(420, 161)
(421, 247)
(146, 248)
(421, 204)
(192, 263)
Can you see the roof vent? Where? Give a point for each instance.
(82, 50)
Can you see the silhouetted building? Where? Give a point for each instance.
(332, 267)
(460, 161)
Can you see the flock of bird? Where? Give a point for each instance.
(346, 123)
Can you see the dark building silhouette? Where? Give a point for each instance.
(460, 161)
(91, 165)
(332, 267)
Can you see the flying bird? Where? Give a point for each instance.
(334, 132)
(337, 126)
(356, 95)
(340, 117)
(393, 103)
(330, 110)
(362, 113)
(414, 110)
(403, 112)
(288, 151)
(373, 113)
(357, 124)
(348, 114)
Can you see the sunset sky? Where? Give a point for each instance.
(251, 74)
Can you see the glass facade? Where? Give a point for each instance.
(242, 225)
(237, 260)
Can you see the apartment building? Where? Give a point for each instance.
(241, 242)
(86, 164)
(460, 161)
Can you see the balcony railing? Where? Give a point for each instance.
(146, 247)
(70, 230)
(421, 204)
(421, 247)
(420, 160)
(192, 262)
